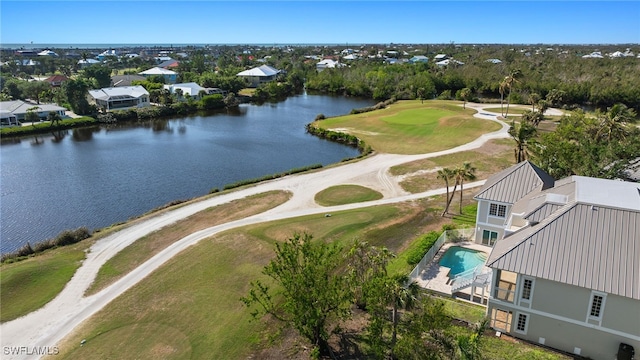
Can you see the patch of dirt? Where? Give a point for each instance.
(493, 148)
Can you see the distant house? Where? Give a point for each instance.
(169, 64)
(440, 57)
(125, 80)
(193, 90)
(259, 75)
(120, 98)
(47, 53)
(419, 59)
(448, 62)
(19, 109)
(494, 61)
(595, 54)
(88, 62)
(8, 119)
(169, 76)
(103, 55)
(565, 260)
(328, 64)
(56, 80)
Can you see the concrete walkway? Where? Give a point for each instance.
(50, 324)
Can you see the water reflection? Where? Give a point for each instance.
(84, 134)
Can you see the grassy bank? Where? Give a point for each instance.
(30, 284)
(45, 127)
(346, 194)
(410, 127)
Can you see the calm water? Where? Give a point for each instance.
(101, 176)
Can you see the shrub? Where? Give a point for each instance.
(320, 117)
(425, 242)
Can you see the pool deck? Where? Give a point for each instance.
(436, 277)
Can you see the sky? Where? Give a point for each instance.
(319, 22)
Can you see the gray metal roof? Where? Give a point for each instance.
(119, 92)
(592, 241)
(263, 70)
(513, 183)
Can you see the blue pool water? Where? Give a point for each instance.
(460, 259)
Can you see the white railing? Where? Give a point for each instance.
(456, 235)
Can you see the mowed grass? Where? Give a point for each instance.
(421, 175)
(190, 307)
(346, 194)
(28, 285)
(410, 127)
(146, 247)
(518, 109)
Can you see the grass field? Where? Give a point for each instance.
(346, 194)
(146, 247)
(518, 109)
(30, 284)
(192, 302)
(488, 160)
(410, 127)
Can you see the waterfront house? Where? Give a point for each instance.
(193, 90)
(259, 75)
(120, 98)
(169, 76)
(565, 269)
(19, 109)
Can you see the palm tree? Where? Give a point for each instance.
(465, 172)
(420, 92)
(521, 134)
(503, 86)
(533, 100)
(613, 123)
(543, 106)
(510, 80)
(446, 174)
(403, 296)
(465, 94)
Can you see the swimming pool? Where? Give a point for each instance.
(460, 259)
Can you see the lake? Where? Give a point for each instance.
(96, 177)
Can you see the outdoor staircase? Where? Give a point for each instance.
(470, 277)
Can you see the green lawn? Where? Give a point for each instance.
(518, 109)
(410, 127)
(28, 285)
(346, 194)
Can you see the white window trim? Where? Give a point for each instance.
(526, 323)
(522, 301)
(604, 301)
(497, 207)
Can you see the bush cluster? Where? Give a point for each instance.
(378, 106)
(340, 137)
(67, 237)
(425, 242)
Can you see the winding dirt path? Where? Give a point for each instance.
(50, 324)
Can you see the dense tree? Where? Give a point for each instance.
(76, 93)
(101, 74)
(312, 289)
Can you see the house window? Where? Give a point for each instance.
(596, 307)
(521, 323)
(501, 320)
(527, 290)
(489, 237)
(497, 210)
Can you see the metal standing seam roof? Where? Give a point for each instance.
(589, 245)
(22, 107)
(513, 183)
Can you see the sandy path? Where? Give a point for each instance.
(50, 324)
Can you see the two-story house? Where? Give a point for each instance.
(566, 273)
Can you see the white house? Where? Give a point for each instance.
(88, 62)
(47, 53)
(192, 89)
(447, 62)
(259, 75)
(169, 76)
(328, 64)
(19, 109)
(566, 272)
(120, 98)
